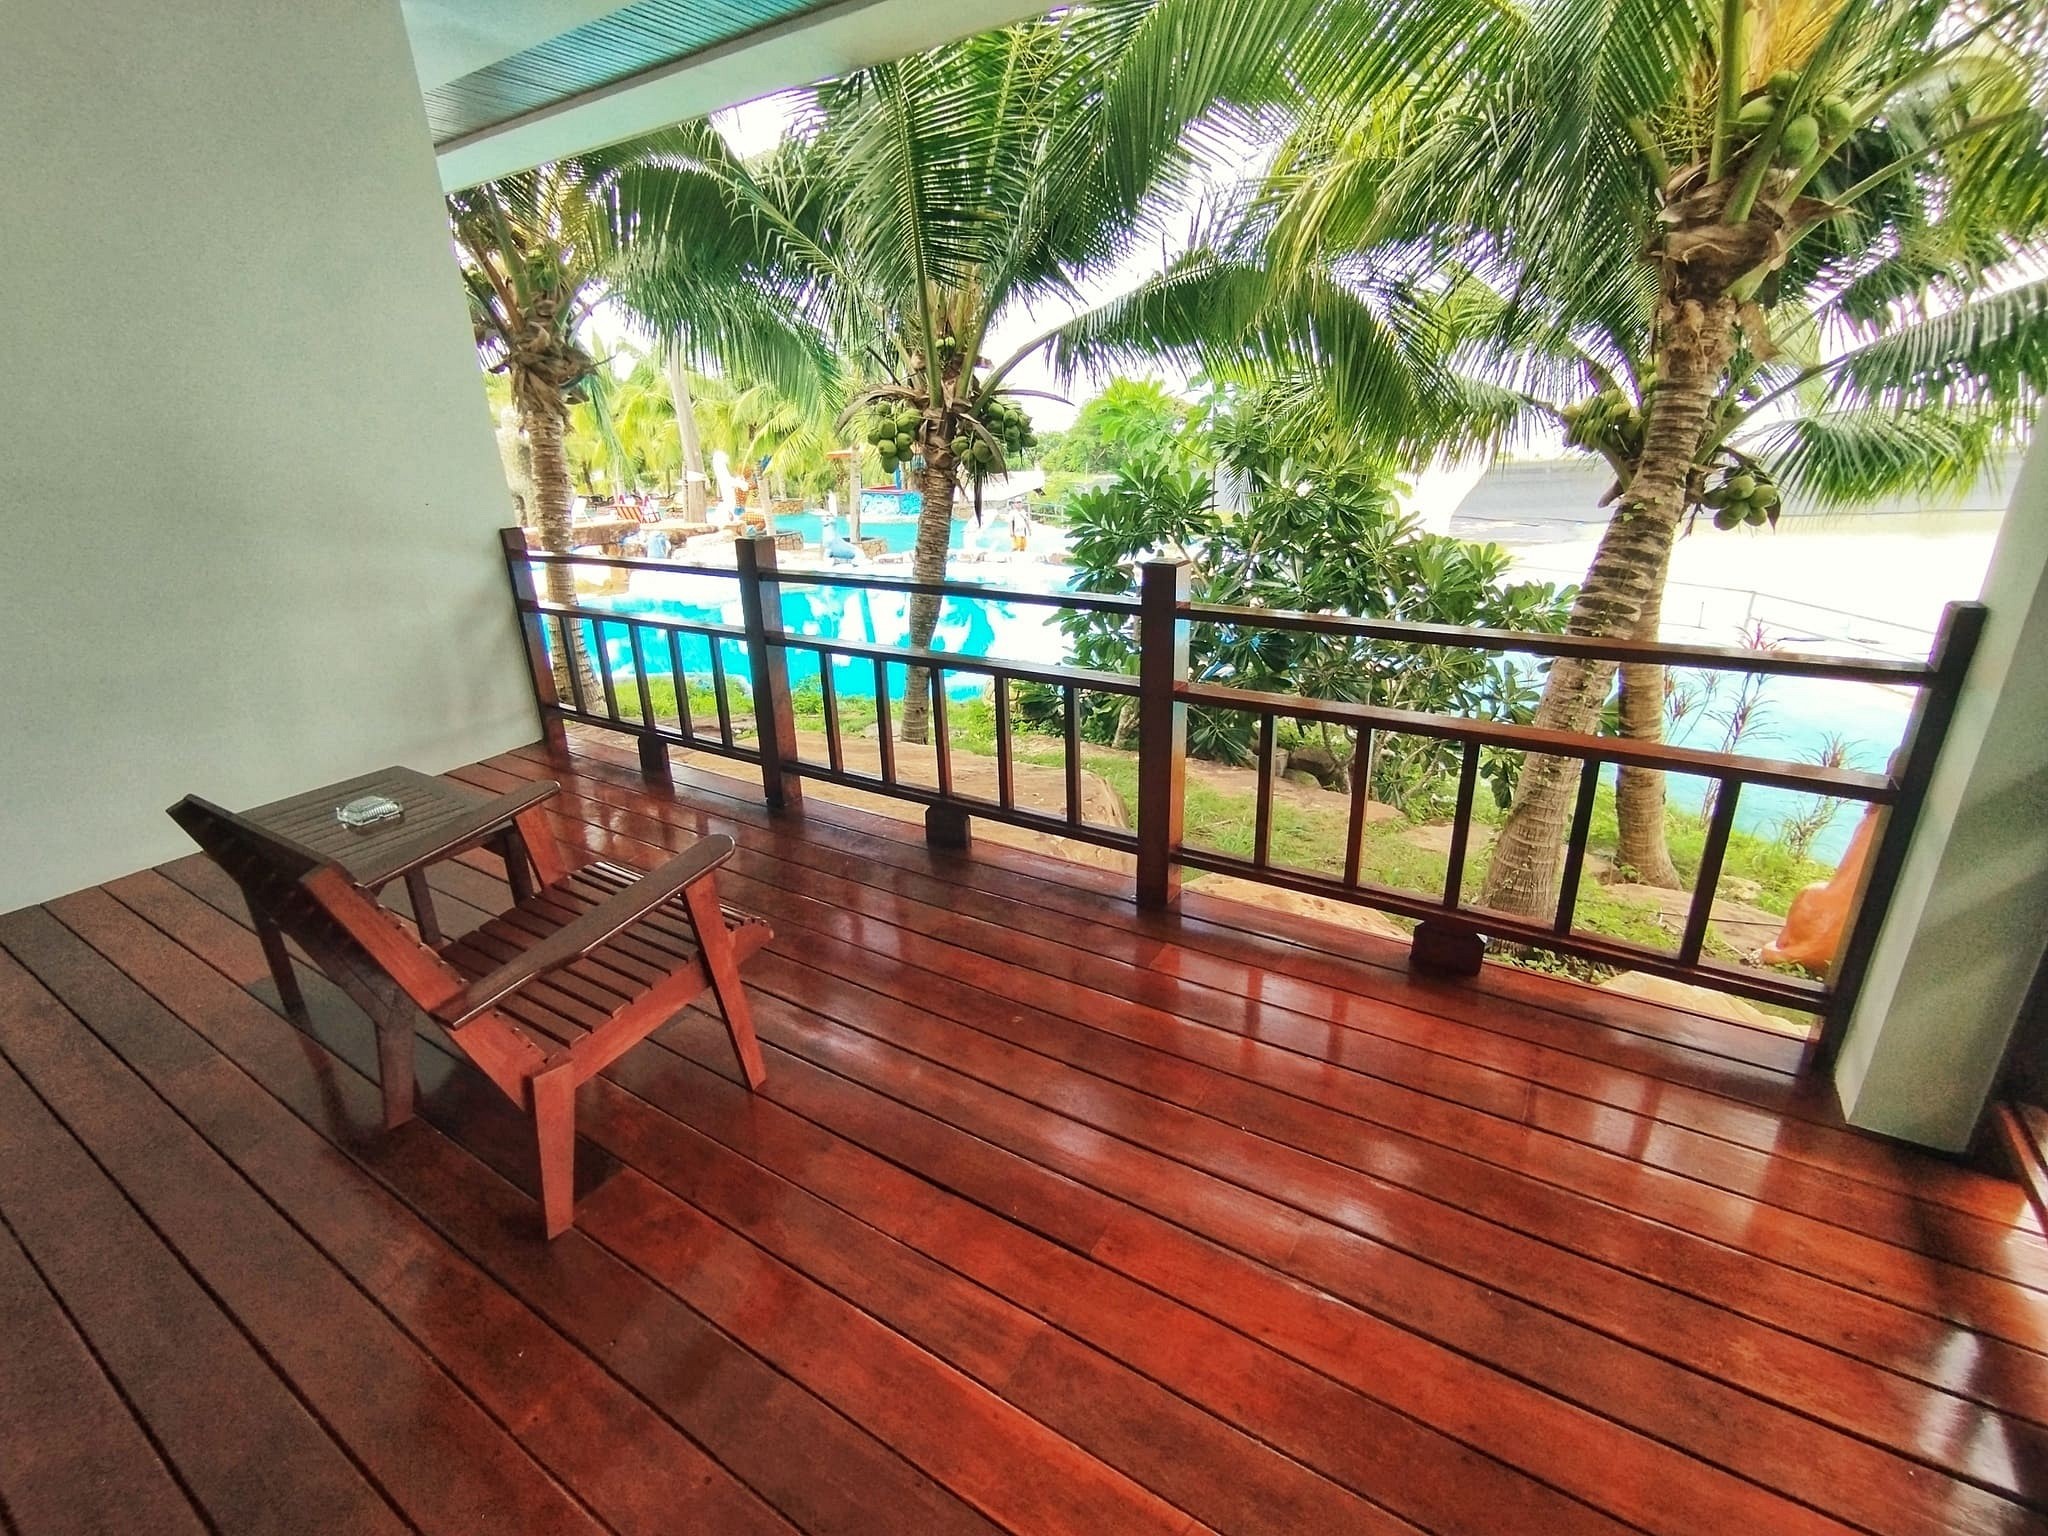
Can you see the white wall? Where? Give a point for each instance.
(246, 468)
(1965, 931)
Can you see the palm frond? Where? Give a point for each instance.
(1850, 458)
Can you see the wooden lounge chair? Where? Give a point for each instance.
(583, 966)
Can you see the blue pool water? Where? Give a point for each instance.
(896, 529)
(1797, 716)
(967, 627)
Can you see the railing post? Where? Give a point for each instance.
(1162, 729)
(768, 668)
(1955, 642)
(526, 602)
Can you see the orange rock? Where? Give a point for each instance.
(1820, 914)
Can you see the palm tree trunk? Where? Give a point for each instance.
(1641, 845)
(696, 483)
(1696, 336)
(927, 563)
(551, 515)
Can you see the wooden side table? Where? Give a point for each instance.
(440, 820)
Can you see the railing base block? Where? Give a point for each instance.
(1446, 949)
(1160, 893)
(654, 760)
(946, 826)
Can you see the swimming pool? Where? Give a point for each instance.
(976, 627)
(899, 531)
(1797, 717)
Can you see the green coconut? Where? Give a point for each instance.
(1800, 138)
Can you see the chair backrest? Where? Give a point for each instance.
(346, 933)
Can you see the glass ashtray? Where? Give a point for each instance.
(368, 811)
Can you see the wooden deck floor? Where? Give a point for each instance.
(1051, 1217)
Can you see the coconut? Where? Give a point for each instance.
(1756, 114)
(1800, 138)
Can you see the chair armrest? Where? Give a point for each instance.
(578, 938)
(437, 843)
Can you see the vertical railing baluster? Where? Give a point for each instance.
(1262, 813)
(640, 674)
(829, 693)
(885, 735)
(1006, 770)
(654, 762)
(1575, 847)
(685, 727)
(1697, 915)
(1162, 729)
(533, 634)
(1361, 789)
(1070, 728)
(718, 690)
(1461, 826)
(562, 623)
(601, 659)
(942, 745)
(768, 662)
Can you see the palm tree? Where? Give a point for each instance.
(922, 203)
(537, 252)
(760, 427)
(1729, 250)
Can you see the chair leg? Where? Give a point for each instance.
(554, 1124)
(714, 942)
(394, 1063)
(280, 961)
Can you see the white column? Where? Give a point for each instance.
(1966, 928)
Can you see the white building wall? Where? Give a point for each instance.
(246, 468)
(1964, 934)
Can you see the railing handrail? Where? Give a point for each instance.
(1779, 773)
(1530, 642)
(1164, 691)
(1083, 602)
(1542, 643)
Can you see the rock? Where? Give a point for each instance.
(1303, 778)
(1324, 908)
(1317, 762)
(1738, 889)
(1715, 1005)
(1745, 928)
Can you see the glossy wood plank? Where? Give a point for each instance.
(1050, 1214)
(1788, 1375)
(1348, 961)
(825, 1473)
(633, 1469)
(380, 1394)
(1477, 1487)
(241, 1443)
(72, 1457)
(1822, 1250)
(1598, 1391)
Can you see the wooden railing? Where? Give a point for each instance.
(1449, 933)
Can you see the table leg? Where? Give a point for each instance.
(518, 871)
(423, 907)
(272, 939)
